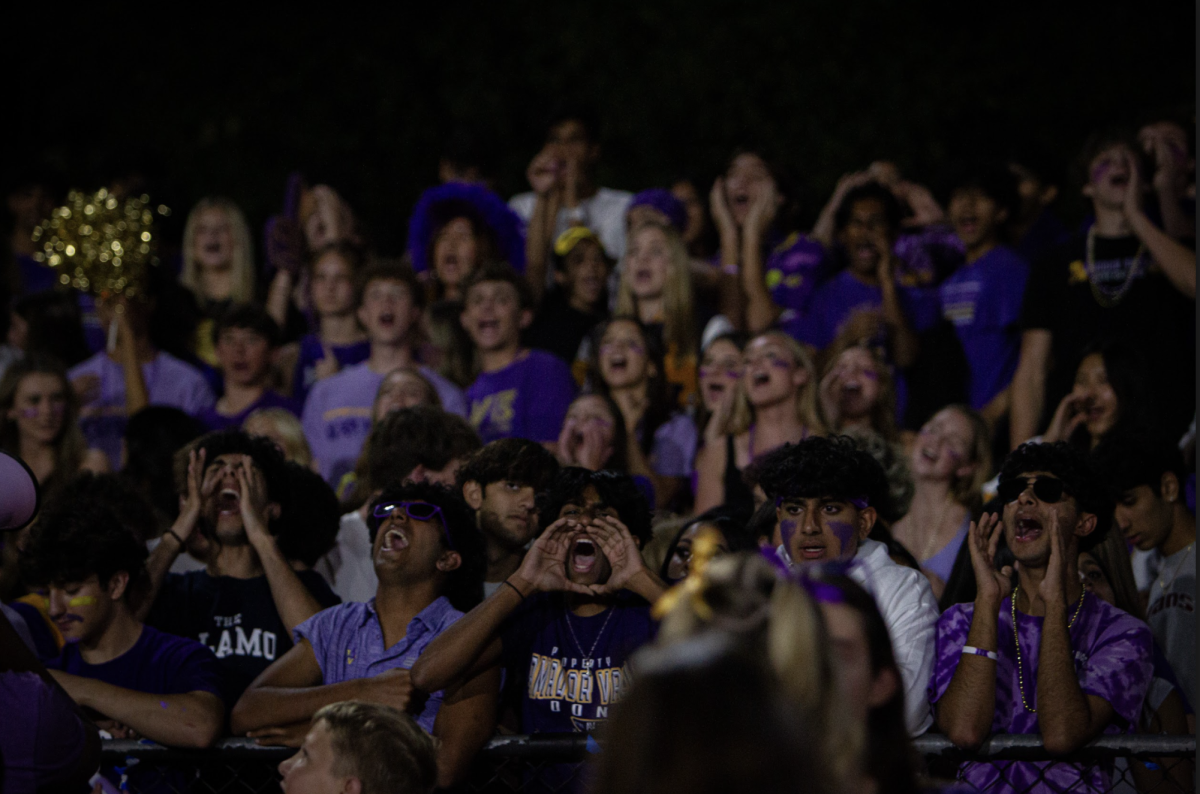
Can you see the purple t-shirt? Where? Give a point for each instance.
(983, 301)
(844, 295)
(527, 399)
(674, 448)
(311, 352)
(158, 663)
(218, 421)
(793, 271)
(348, 643)
(169, 381)
(1113, 659)
(337, 415)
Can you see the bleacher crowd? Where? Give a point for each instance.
(751, 502)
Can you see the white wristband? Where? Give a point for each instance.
(973, 651)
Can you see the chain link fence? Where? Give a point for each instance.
(551, 762)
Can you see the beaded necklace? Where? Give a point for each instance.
(1103, 296)
(1017, 642)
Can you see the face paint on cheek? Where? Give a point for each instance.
(81, 601)
(29, 413)
(1101, 170)
(844, 532)
(787, 531)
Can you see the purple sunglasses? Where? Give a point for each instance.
(418, 511)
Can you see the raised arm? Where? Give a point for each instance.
(539, 236)
(761, 309)
(192, 719)
(824, 229)
(1029, 386)
(173, 541)
(294, 603)
(966, 710)
(1177, 260)
(904, 340)
(1067, 716)
(473, 643)
(136, 395)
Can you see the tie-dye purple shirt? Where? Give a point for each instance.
(1113, 660)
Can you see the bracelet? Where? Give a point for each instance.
(172, 533)
(515, 589)
(972, 650)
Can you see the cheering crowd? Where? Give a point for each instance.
(665, 467)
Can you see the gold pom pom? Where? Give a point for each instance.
(99, 243)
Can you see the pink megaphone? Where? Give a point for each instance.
(19, 496)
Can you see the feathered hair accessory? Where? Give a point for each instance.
(443, 203)
(99, 243)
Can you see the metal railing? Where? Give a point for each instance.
(552, 762)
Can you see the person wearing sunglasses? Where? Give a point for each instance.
(1035, 653)
(565, 624)
(429, 559)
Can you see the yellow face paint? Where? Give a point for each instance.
(81, 601)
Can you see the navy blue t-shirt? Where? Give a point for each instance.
(158, 663)
(235, 618)
(569, 670)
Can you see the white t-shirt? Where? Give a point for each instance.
(1172, 615)
(603, 213)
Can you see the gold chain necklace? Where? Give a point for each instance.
(1017, 642)
(1102, 296)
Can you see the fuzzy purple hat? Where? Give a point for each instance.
(443, 203)
(665, 202)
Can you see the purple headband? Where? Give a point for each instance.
(665, 202)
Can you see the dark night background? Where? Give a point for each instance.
(218, 101)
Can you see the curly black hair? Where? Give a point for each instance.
(1079, 475)
(120, 496)
(615, 490)
(517, 460)
(310, 518)
(823, 467)
(991, 178)
(872, 191)
(464, 586)
(81, 535)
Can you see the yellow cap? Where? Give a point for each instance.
(571, 237)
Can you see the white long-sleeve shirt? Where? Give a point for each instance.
(906, 602)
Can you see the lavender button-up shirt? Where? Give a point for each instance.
(348, 643)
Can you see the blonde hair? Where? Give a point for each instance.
(243, 250)
(883, 413)
(742, 595)
(381, 746)
(808, 408)
(965, 491)
(679, 329)
(431, 393)
(295, 446)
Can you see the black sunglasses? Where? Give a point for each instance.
(418, 511)
(1046, 489)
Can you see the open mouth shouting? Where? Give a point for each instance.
(395, 539)
(229, 502)
(583, 556)
(1027, 529)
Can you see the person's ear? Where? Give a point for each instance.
(560, 278)
(449, 561)
(866, 522)
(525, 319)
(351, 785)
(1169, 486)
(274, 511)
(1085, 525)
(472, 493)
(117, 585)
(883, 688)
